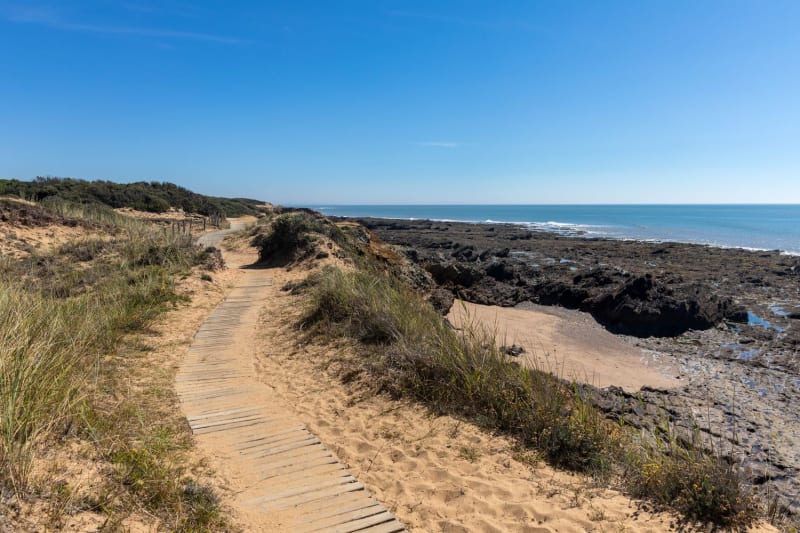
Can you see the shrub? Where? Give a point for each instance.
(701, 484)
(289, 238)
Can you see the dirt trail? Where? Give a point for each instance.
(283, 478)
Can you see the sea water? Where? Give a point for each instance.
(759, 227)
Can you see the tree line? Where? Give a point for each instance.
(153, 196)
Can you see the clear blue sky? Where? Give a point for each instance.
(409, 101)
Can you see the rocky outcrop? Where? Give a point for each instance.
(644, 307)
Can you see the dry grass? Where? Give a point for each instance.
(64, 317)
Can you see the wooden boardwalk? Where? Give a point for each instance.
(283, 470)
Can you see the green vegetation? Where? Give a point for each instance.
(702, 484)
(154, 197)
(70, 369)
(407, 349)
(290, 237)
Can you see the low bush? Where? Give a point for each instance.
(289, 238)
(703, 485)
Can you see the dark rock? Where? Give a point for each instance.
(513, 350)
(644, 308)
(559, 293)
(736, 313)
(500, 271)
(453, 273)
(442, 300)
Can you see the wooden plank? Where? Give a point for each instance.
(300, 466)
(389, 527)
(302, 472)
(348, 500)
(267, 436)
(310, 441)
(345, 518)
(321, 487)
(216, 429)
(333, 515)
(310, 454)
(310, 484)
(357, 525)
(213, 414)
(282, 440)
(225, 421)
(314, 497)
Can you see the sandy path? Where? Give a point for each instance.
(570, 345)
(283, 477)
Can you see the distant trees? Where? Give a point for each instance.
(153, 197)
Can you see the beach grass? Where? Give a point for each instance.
(68, 317)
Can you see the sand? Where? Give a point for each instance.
(570, 344)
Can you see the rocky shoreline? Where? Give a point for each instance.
(728, 319)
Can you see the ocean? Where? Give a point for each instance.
(758, 227)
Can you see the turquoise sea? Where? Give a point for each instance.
(762, 227)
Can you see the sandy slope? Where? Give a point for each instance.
(435, 473)
(570, 344)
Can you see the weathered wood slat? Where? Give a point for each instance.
(358, 525)
(389, 527)
(338, 515)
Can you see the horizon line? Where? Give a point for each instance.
(564, 204)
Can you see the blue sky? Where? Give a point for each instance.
(379, 101)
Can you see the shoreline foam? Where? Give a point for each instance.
(541, 227)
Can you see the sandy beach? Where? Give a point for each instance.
(569, 344)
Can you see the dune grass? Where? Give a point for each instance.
(409, 350)
(65, 316)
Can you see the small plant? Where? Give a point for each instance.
(596, 515)
(469, 453)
